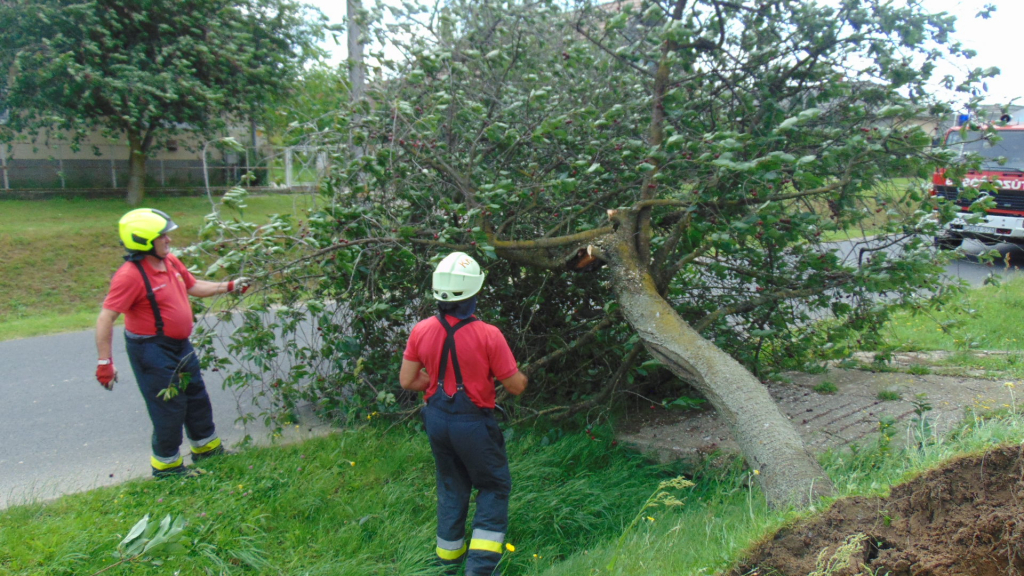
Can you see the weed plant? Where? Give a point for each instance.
(889, 396)
(826, 387)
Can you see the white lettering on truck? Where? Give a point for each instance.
(1004, 184)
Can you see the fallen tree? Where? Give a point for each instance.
(649, 191)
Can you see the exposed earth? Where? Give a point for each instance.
(964, 519)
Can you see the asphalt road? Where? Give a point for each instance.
(64, 433)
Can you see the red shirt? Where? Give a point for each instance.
(128, 296)
(483, 355)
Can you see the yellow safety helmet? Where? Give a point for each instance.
(457, 277)
(139, 228)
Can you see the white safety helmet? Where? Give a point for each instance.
(457, 277)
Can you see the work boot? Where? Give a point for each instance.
(177, 471)
(218, 451)
(449, 568)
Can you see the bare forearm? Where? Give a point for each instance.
(105, 333)
(413, 376)
(516, 384)
(204, 289)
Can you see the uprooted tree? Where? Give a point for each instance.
(650, 190)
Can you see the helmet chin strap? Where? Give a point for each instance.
(138, 255)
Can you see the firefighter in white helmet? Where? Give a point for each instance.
(454, 359)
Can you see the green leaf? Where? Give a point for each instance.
(675, 141)
(136, 530)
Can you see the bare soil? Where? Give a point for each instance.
(964, 519)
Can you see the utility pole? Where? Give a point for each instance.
(356, 70)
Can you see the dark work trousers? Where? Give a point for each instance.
(469, 452)
(157, 362)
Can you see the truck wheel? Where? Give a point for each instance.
(947, 242)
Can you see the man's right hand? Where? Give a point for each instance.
(106, 374)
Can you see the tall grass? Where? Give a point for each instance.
(357, 503)
(724, 513)
(57, 255)
(361, 502)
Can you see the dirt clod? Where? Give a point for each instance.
(964, 519)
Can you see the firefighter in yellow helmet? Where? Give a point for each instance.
(151, 289)
(454, 358)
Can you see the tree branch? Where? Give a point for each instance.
(685, 260)
(612, 53)
(584, 339)
(609, 388)
(381, 240)
(556, 242)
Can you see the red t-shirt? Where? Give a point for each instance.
(128, 296)
(483, 355)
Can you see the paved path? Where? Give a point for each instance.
(62, 432)
(827, 421)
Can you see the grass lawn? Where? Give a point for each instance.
(57, 255)
(361, 502)
(880, 205)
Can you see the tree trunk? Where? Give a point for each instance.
(136, 169)
(786, 471)
(356, 69)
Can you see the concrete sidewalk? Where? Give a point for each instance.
(826, 421)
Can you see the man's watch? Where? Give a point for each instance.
(105, 361)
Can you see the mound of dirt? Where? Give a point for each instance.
(964, 519)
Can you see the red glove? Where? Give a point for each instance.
(240, 284)
(106, 374)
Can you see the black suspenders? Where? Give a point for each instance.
(152, 299)
(449, 349)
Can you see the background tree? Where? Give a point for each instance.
(649, 190)
(148, 70)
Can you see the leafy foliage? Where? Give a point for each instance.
(152, 539)
(737, 133)
(146, 70)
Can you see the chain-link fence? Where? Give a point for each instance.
(286, 167)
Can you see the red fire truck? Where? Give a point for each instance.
(1002, 166)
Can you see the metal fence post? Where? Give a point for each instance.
(3, 166)
(288, 167)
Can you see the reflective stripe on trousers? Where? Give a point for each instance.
(157, 361)
(469, 452)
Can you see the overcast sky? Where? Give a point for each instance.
(993, 39)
